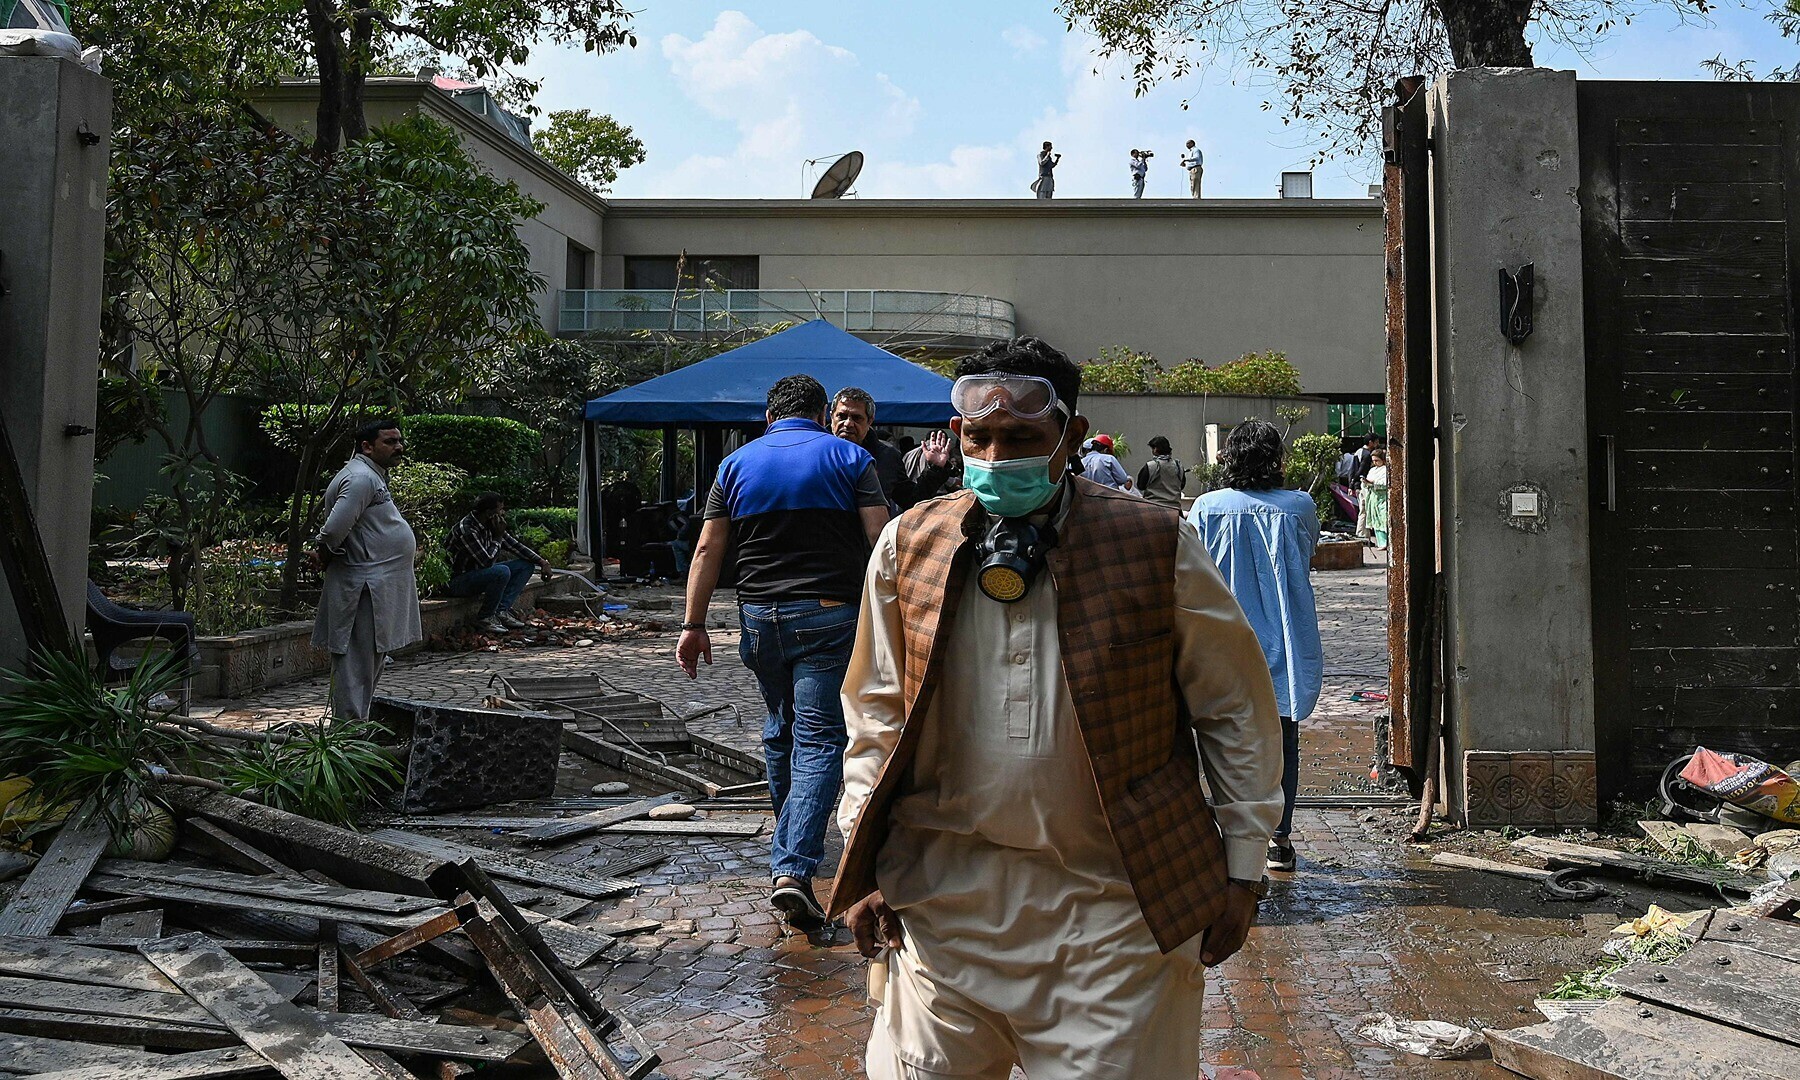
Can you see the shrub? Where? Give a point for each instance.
(534, 536)
(556, 552)
(427, 493)
(1266, 374)
(432, 571)
(1119, 370)
(557, 521)
(478, 445)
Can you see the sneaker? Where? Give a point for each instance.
(794, 898)
(493, 626)
(512, 621)
(1281, 856)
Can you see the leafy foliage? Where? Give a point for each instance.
(324, 771)
(474, 444)
(1119, 370)
(1333, 66)
(1784, 15)
(1312, 462)
(558, 522)
(1656, 947)
(77, 739)
(426, 492)
(592, 148)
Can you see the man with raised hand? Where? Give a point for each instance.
(1030, 858)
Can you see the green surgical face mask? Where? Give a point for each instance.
(1014, 487)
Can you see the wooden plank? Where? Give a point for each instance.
(1712, 590)
(66, 961)
(1698, 278)
(1688, 200)
(195, 1065)
(126, 1031)
(34, 1054)
(1745, 244)
(434, 927)
(503, 864)
(136, 924)
(1752, 392)
(256, 951)
(1458, 861)
(628, 760)
(1740, 998)
(87, 912)
(695, 827)
(1708, 469)
(1734, 314)
(1619, 1042)
(1715, 667)
(548, 1016)
(295, 1043)
(1772, 937)
(1559, 851)
(327, 996)
(1708, 431)
(1685, 131)
(562, 831)
(202, 837)
(559, 905)
(175, 1008)
(350, 858)
(389, 1002)
(1641, 162)
(37, 906)
(1749, 549)
(1694, 629)
(387, 903)
(239, 902)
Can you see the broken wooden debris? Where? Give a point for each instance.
(636, 762)
(1673, 837)
(501, 864)
(1470, 862)
(33, 1054)
(560, 831)
(67, 961)
(385, 903)
(430, 929)
(38, 904)
(186, 894)
(711, 826)
(1622, 863)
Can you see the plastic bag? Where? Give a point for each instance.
(1427, 1038)
(1745, 781)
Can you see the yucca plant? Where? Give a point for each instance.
(80, 741)
(323, 770)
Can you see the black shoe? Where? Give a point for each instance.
(1281, 856)
(794, 898)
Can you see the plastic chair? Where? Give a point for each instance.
(113, 624)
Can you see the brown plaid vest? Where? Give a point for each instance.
(1114, 569)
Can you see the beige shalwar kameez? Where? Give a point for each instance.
(369, 600)
(1024, 942)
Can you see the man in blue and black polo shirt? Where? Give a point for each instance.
(804, 508)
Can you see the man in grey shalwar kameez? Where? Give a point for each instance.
(370, 603)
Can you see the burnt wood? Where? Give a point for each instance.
(1759, 549)
(1677, 200)
(1754, 392)
(1768, 628)
(1712, 590)
(1708, 314)
(1717, 510)
(1749, 163)
(1702, 470)
(1700, 130)
(1742, 243)
(1715, 667)
(1708, 431)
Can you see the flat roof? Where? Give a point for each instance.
(1025, 207)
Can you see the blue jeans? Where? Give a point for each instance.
(798, 650)
(1290, 774)
(499, 585)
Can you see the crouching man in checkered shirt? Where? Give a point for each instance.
(1042, 664)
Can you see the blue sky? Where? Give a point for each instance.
(952, 99)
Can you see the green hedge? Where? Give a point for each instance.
(478, 445)
(558, 521)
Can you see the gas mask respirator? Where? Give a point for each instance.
(1012, 555)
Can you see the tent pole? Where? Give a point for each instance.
(590, 483)
(669, 478)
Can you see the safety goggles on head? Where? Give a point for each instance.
(1024, 396)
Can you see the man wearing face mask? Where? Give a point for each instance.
(1030, 858)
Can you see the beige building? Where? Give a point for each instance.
(1208, 279)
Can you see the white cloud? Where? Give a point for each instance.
(1023, 39)
(790, 96)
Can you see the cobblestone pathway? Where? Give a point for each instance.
(1365, 926)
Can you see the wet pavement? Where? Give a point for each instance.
(1365, 925)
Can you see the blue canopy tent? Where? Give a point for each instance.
(730, 391)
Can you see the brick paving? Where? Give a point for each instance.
(722, 989)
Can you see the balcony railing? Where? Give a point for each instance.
(888, 315)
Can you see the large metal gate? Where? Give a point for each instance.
(1688, 251)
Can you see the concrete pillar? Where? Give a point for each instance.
(1514, 471)
(55, 118)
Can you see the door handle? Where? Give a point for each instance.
(1609, 446)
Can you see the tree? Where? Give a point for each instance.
(592, 149)
(348, 42)
(1784, 15)
(1335, 62)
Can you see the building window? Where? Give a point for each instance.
(697, 271)
(578, 271)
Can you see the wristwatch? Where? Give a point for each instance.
(693, 626)
(1259, 887)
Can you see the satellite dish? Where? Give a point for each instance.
(837, 180)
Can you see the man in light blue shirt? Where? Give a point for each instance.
(1195, 164)
(1099, 465)
(1262, 537)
